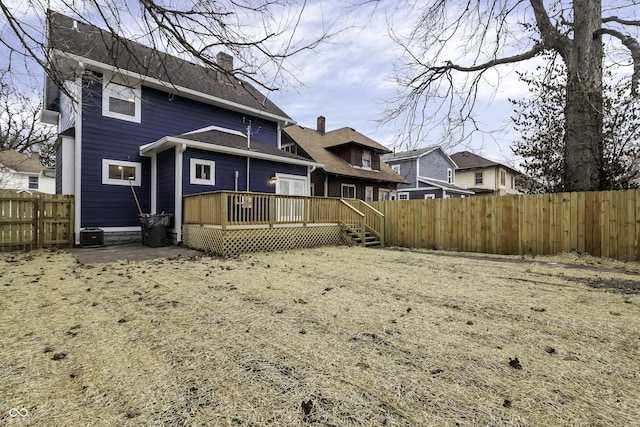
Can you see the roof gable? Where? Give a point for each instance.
(318, 146)
(468, 160)
(70, 37)
(417, 154)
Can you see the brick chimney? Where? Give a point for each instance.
(225, 61)
(321, 125)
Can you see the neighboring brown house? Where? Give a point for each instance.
(352, 166)
(484, 176)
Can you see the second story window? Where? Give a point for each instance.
(450, 176)
(121, 102)
(478, 177)
(366, 159)
(503, 177)
(396, 168)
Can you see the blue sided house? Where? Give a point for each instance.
(140, 129)
(430, 174)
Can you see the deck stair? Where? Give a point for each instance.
(362, 224)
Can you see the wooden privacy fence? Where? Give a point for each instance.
(605, 224)
(30, 221)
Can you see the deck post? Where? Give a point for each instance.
(363, 229)
(224, 210)
(272, 210)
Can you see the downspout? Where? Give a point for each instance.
(248, 160)
(77, 184)
(235, 182)
(154, 183)
(180, 149)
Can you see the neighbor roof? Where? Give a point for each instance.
(20, 162)
(410, 154)
(316, 145)
(86, 41)
(468, 160)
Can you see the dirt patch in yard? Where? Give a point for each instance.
(330, 336)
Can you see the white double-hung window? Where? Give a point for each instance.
(121, 102)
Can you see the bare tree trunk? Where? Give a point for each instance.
(583, 109)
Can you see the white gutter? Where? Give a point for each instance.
(171, 88)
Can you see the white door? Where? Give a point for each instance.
(291, 209)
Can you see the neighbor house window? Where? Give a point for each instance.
(450, 176)
(366, 159)
(348, 191)
(290, 148)
(503, 177)
(121, 102)
(403, 196)
(384, 194)
(120, 172)
(429, 196)
(33, 182)
(368, 194)
(478, 177)
(396, 168)
(202, 172)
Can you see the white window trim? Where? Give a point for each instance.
(402, 194)
(342, 187)
(429, 196)
(396, 168)
(105, 172)
(192, 172)
(107, 91)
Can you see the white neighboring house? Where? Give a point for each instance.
(23, 173)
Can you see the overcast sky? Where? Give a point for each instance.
(349, 79)
(350, 82)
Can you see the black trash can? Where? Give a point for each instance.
(154, 229)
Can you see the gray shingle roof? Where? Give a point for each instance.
(88, 41)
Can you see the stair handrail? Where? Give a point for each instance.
(363, 222)
(378, 232)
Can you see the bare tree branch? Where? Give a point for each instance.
(634, 48)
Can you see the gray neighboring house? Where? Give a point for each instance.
(430, 171)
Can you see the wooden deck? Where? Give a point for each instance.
(230, 223)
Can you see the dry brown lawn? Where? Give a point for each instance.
(323, 337)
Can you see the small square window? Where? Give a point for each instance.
(119, 172)
(202, 172)
(121, 102)
(403, 196)
(348, 191)
(33, 182)
(396, 168)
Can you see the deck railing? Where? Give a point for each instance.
(233, 209)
